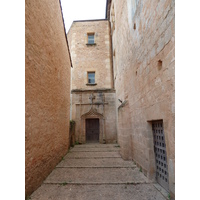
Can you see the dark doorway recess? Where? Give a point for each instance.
(92, 130)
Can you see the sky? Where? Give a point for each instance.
(82, 10)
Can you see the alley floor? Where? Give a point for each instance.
(97, 172)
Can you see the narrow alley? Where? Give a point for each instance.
(96, 172)
(109, 81)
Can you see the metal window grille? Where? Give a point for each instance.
(160, 154)
(91, 39)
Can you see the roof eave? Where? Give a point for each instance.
(108, 3)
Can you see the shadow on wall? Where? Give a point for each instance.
(72, 133)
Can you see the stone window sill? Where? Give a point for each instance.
(88, 44)
(91, 84)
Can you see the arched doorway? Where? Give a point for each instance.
(92, 130)
(92, 124)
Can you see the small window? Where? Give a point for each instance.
(91, 77)
(91, 38)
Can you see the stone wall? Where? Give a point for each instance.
(143, 56)
(92, 58)
(47, 86)
(86, 58)
(104, 104)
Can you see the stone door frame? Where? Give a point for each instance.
(93, 114)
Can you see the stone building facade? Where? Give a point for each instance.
(92, 92)
(47, 87)
(143, 50)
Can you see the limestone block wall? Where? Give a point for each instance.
(104, 104)
(143, 44)
(92, 58)
(95, 58)
(47, 87)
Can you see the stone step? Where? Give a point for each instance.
(97, 192)
(92, 149)
(96, 171)
(104, 162)
(96, 145)
(92, 155)
(96, 176)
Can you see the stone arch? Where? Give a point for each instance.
(92, 114)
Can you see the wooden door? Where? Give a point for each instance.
(92, 130)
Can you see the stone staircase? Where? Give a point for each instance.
(96, 172)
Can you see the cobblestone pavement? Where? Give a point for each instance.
(97, 172)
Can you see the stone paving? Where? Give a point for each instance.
(97, 172)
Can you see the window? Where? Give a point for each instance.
(91, 38)
(91, 77)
